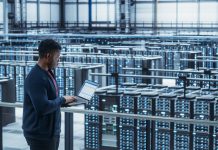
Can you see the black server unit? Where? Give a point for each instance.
(207, 54)
(138, 63)
(145, 106)
(163, 132)
(203, 134)
(93, 123)
(127, 127)
(7, 94)
(69, 77)
(19, 79)
(114, 64)
(10, 71)
(169, 60)
(215, 134)
(193, 64)
(183, 132)
(152, 63)
(109, 131)
(7, 115)
(60, 76)
(130, 63)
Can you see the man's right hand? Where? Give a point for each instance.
(69, 99)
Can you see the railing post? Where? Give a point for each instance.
(1, 145)
(68, 131)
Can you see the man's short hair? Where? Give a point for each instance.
(48, 46)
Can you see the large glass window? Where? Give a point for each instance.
(45, 13)
(54, 12)
(166, 15)
(31, 12)
(83, 13)
(144, 13)
(188, 12)
(103, 12)
(208, 12)
(71, 13)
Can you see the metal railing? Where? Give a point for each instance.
(123, 115)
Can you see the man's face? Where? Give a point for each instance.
(53, 59)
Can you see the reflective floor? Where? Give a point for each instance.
(13, 138)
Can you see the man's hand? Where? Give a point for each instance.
(69, 99)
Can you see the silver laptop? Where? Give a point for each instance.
(85, 94)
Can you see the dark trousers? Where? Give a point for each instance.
(41, 144)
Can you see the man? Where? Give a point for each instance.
(41, 108)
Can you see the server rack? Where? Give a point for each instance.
(20, 76)
(202, 134)
(93, 126)
(215, 133)
(69, 74)
(60, 77)
(183, 132)
(145, 128)
(115, 64)
(127, 127)
(110, 139)
(163, 132)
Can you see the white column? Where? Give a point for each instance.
(23, 11)
(17, 11)
(127, 15)
(117, 14)
(38, 12)
(5, 18)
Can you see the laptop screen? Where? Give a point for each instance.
(88, 89)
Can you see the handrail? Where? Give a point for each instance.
(124, 115)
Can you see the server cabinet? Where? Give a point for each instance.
(215, 134)
(145, 128)
(203, 134)
(183, 132)
(163, 132)
(93, 126)
(127, 127)
(7, 94)
(110, 139)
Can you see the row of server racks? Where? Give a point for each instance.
(112, 133)
(65, 75)
(18, 72)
